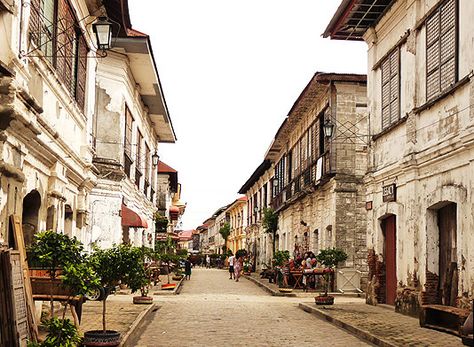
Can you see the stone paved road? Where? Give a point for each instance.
(215, 311)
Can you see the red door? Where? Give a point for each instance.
(390, 252)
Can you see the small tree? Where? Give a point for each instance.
(270, 224)
(165, 251)
(114, 265)
(138, 277)
(330, 258)
(225, 232)
(280, 257)
(53, 251)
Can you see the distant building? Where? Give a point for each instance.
(237, 214)
(319, 190)
(257, 190)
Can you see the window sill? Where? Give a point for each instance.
(389, 128)
(441, 96)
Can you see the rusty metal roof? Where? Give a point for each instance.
(354, 17)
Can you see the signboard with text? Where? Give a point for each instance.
(389, 193)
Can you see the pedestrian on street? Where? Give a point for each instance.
(238, 267)
(208, 261)
(187, 269)
(231, 265)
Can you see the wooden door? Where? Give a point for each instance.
(390, 255)
(448, 276)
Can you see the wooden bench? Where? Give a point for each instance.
(447, 319)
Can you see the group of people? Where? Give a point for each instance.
(235, 266)
(305, 263)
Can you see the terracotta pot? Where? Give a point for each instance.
(177, 278)
(98, 338)
(324, 300)
(143, 300)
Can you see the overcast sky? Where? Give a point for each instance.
(231, 71)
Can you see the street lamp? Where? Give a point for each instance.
(155, 158)
(275, 181)
(328, 128)
(255, 209)
(102, 29)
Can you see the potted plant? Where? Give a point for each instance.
(329, 258)
(161, 223)
(279, 261)
(52, 251)
(139, 277)
(111, 267)
(70, 275)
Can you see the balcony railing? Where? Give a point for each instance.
(309, 177)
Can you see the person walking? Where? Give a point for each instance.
(208, 261)
(237, 267)
(187, 269)
(231, 266)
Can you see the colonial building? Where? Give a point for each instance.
(129, 96)
(237, 212)
(257, 189)
(421, 156)
(47, 95)
(318, 188)
(167, 187)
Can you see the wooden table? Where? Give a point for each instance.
(298, 277)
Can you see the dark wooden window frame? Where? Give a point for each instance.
(65, 46)
(127, 150)
(454, 55)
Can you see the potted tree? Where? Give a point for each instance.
(70, 275)
(280, 260)
(111, 266)
(51, 251)
(329, 258)
(139, 276)
(225, 232)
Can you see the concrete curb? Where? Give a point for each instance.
(267, 288)
(360, 333)
(130, 335)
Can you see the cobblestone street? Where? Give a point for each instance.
(215, 311)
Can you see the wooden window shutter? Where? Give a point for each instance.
(128, 133)
(441, 49)
(35, 22)
(391, 88)
(81, 73)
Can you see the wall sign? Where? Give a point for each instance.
(389, 193)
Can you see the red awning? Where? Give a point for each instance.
(132, 219)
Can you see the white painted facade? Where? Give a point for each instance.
(45, 152)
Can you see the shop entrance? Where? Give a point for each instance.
(448, 268)
(390, 257)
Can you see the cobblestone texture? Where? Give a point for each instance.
(215, 311)
(385, 324)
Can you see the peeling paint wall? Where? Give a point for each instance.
(429, 157)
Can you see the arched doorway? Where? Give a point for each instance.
(68, 216)
(29, 217)
(389, 228)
